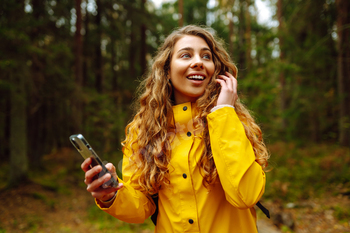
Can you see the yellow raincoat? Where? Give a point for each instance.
(226, 207)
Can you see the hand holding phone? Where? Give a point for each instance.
(84, 148)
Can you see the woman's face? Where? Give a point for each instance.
(191, 68)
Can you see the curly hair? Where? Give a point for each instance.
(148, 133)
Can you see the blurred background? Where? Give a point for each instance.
(70, 67)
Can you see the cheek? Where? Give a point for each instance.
(211, 69)
(175, 69)
(212, 72)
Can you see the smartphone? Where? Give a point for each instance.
(84, 148)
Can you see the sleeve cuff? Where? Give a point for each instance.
(221, 106)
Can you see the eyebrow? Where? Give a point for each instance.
(191, 49)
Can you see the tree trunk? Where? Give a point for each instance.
(132, 49)
(86, 42)
(343, 22)
(5, 139)
(99, 63)
(248, 37)
(241, 38)
(18, 132)
(229, 8)
(181, 13)
(78, 45)
(77, 103)
(282, 80)
(231, 36)
(143, 41)
(113, 64)
(37, 118)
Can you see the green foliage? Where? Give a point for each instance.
(286, 229)
(47, 201)
(342, 213)
(303, 172)
(38, 47)
(32, 223)
(195, 12)
(309, 69)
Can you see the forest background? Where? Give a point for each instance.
(71, 67)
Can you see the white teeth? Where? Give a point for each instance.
(198, 77)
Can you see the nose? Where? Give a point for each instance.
(197, 63)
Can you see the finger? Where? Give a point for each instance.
(97, 183)
(92, 173)
(227, 82)
(101, 192)
(231, 82)
(221, 82)
(228, 74)
(85, 166)
(111, 168)
(102, 195)
(233, 79)
(106, 194)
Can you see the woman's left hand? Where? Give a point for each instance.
(228, 94)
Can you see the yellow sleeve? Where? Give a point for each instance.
(130, 205)
(242, 179)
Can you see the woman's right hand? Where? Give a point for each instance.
(94, 185)
(228, 94)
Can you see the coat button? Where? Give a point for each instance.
(190, 221)
(185, 108)
(189, 134)
(184, 175)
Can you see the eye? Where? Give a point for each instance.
(185, 55)
(207, 56)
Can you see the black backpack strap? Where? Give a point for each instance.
(155, 215)
(263, 209)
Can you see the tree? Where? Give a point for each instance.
(227, 7)
(282, 79)
(143, 43)
(77, 103)
(78, 44)
(14, 74)
(308, 69)
(18, 131)
(181, 13)
(343, 67)
(99, 60)
(248, 35)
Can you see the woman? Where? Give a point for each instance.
(191, 143)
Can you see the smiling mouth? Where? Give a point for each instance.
(196, 77)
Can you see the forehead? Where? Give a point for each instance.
(189, 41)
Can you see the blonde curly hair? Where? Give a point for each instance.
(147, 136)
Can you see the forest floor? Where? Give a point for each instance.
(57, 201)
